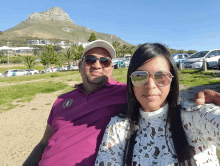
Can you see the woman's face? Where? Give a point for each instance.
(151, 96)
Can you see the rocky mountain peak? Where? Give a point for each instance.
(53, 14)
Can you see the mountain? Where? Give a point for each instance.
(53, 24)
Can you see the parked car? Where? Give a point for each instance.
(32, 71)
(115, 65)
(15, 72)
(115, 62)
(195, 61)
(74, 67)
(218, 64)
(179, 57)
(127, 62)
(56, 69)
(47, 70)
(64, 68)
(119, 61)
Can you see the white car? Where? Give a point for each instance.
(180, 57)
(56, 69)
(15, 72)
(64, 68)
(127, 63)
(72, 67)
(32, 71)
(195, 61)
(47, 70)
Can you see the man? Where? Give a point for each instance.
(78, 118)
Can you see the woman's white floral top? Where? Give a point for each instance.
(201, 125)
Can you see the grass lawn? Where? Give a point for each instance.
(42, 83)
(198, 77)
(26, 92)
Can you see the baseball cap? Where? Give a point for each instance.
(103, 44)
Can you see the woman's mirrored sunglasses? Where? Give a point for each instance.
(91, 59)
(162, 78)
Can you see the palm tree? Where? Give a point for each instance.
(72, 53)
(116, 45)
(132, 49)
(68, 54)
(124, 50)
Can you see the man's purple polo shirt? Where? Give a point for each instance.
(79, 121)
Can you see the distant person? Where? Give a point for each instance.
(156, 129)
(78, 119)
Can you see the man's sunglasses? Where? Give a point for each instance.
(162, 78)
(91, 59)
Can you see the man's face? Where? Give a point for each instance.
(95, 74)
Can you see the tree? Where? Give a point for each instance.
(79, 53)
(124, 50)
(49, 57)
(116, 45)
(191, 51)
(1, 53)
(132, 49)
(68, 54)
(29, 61)
(181, 51)
(61, 57)
(57, 48)
(92, 37)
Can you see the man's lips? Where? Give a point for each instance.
(95, 73)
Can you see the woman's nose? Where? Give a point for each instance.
(150, 83)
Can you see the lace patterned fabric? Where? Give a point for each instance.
(201, 125)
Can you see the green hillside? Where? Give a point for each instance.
(35, 28)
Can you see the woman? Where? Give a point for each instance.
(156, 130)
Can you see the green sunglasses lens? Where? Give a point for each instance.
(139, 78)
(163, 78)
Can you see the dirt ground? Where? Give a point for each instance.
(23, 127)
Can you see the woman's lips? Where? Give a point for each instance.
(150, 97)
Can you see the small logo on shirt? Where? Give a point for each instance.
(67, 103)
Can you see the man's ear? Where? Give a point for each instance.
(80, 65)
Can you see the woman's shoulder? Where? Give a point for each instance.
(190, 106)
(118, 120)
(189, 110)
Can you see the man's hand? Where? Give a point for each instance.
(207, 96)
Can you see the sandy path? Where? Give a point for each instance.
(23, 127)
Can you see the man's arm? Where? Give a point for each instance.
(35, 156)
(207, 96)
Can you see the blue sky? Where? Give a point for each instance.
(187, 25)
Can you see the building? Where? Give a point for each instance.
(16, 50)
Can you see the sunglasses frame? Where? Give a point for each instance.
(163, 71)
(84, 57)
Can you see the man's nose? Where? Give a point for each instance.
(97, 64)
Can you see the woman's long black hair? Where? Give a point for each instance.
(143, 53)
